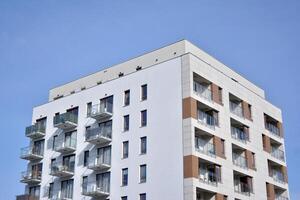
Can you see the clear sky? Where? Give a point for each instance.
(47, 43)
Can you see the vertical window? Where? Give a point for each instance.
(144, 92)
(124, 176)
(88, 109)
(86, 158)
(50, 191)
(54, 142)
(53, 165)
(125, 149)
(126, 97)
(223, 146)
(220, 94)
(124, 198)
(218, 173)
(143, 196)
(250, 110)
(143, 145)
(143, 173)
(67, 189)
(126, 123)
(253, 159)
(84, 184)
(144, 118)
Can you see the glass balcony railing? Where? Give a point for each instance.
(27, 197)
(100, 162)
(102, 110)
(65, 145)
(277, 153)
(32, 153)
(208, 149)
(208, 177)
(61, 170)
(239, 160)
(238, 134)
(31, 176)
(236, 109)
(100, 134)
(281, 197)
(67, 120)
(35, 130)
(242, 188)
(273, 129)
(277, 176)
(95, 189)
(203, 91)
(207, 119)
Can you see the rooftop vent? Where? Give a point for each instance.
(138, 68)
(121, 74)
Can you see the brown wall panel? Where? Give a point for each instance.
(189, 108)
(191, 166)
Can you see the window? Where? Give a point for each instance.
(67, 189)
(88, 109)
(143, 196)
(84, 184)
(124, 198)
(124, 176)
(34, 191)
(106, 104)
(143, 173)
(220, 94)
(143, 145)
(223, 146)
(53, 164)
(144, 92)
(126, 123)
(253, 159)
(126, 97)
(125, 149)
(86, 158)
(50, 191)
(103, 181)
(104, 155)
(69, 162)
(144, 118)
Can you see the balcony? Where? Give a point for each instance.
(278, 154)
(207, 149)
(65, 145)
(207, 119)
(31, 153)
(65, 121)
(101, 111)
(93, 189)
(277, 175)
(35, 131)
(236, 108)
(27, 197)
(241, 187)
(98, 135)
(61, 170)
(209, 173)
(239, 160)
(273, 129)
(99, 163)
(203, 91)
(239, 135)
(31, 177)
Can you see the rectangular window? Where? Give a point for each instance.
(124, 176)
(220, 94)
(34, 191)
(143, 196)
(125, 149)
(53, 164)
(54, 141)
(69, 162)
(143, 173)
(67, 189)
(144, 118)
(124, 198)
(84, 184)
(86, 158)
(126, 123)
(50, 191)
(143, 145)
(144, 92)
(126, 97)
(223, 146)
(88, 109)
(103, 181)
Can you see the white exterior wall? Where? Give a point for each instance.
(164, 143)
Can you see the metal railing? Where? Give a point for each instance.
(31, 150)
(94, 133)
(277, 176)
(203, 91)
(273, 129)
(98, 109)
(277, 153)
(208, 149)
(58, 167)
(236, 109)
(238, 134)
(37, 127)
(104, 159)
(239, 160)
(208, 177)
(207, 119)
(65, 117)
(281, 197)
(26, 175)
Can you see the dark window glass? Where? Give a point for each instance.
(86, 158)
(126, 97)
(126, 123)
(144, 92)
(144, 118)
(125, 149)
(143, 145)
(125, 177)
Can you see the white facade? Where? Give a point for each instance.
(169, 75)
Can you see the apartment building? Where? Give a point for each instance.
(174, 123)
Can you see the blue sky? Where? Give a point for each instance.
(47, 43)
